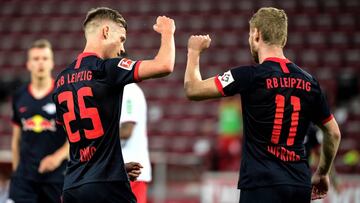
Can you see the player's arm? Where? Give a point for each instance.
(163, 63)
(195, 87)
(53, 161)
(330, 145)
(130, 113)
(15, 146)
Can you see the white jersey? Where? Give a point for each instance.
(135, 149)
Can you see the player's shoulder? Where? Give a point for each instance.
(303, 73)
(65, 70)
(21, 90)
(243, 69)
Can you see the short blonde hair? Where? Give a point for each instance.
(41, 43)
(104, 13)
(272, 23)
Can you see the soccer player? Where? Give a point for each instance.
(88, 106)
(279, 100)
(133, 135)
(39, 154)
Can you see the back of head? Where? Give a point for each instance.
(96, 15)
(272, 23)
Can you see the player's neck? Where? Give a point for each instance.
(93, 48)
(270, 51)
(39, 85)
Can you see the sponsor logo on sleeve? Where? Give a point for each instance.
(126, 64)
(226, 79)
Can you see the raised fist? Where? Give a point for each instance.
(199, 42)
(164, 25)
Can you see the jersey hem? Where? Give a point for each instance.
(93, 181)
(327, 119)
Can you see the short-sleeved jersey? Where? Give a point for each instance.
(135, 148)
(88, 106)
(279, 100)
(36, 118)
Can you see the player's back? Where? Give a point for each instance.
(88, 98)
(279, 102)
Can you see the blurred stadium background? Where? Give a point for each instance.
(324, 39)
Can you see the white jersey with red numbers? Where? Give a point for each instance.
(135, 149)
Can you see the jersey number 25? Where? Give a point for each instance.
(90, 113)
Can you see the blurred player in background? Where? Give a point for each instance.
(279, 101)
(39, 154)
(88, 105)
(133, 135)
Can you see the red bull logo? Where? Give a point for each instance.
(38, 124)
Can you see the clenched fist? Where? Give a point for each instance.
(199, 42)
(164, 25)
(133, 170)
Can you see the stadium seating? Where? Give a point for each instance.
(324, 38)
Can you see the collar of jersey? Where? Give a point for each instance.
(85, 54)
(278, 60)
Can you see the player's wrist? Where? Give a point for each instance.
(194, 51)
(322, 172)
(167, 33)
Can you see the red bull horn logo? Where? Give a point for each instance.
(38, 124)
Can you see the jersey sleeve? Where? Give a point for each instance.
(321, 111)
(234, 81)
(130, 108)
(121, 71)
(15, 114)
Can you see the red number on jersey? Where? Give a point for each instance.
(91, 113)
(70, 115)
(279, 115)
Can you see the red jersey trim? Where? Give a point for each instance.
(16, 123)
(327, 119)
(81, 56)
(281, 61)
(136, 72)
(47, 94)
(219, 86)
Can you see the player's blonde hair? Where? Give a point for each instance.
(103, 13)
(41, 44)
(272, 23)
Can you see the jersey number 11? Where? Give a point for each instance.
(279, 115)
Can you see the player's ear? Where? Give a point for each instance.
(105, 31)
(256, 35)
(28, 65)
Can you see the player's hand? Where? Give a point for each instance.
(320, 186)
(199, 42)
(164, 25)
(133, 170)
(49, 163)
